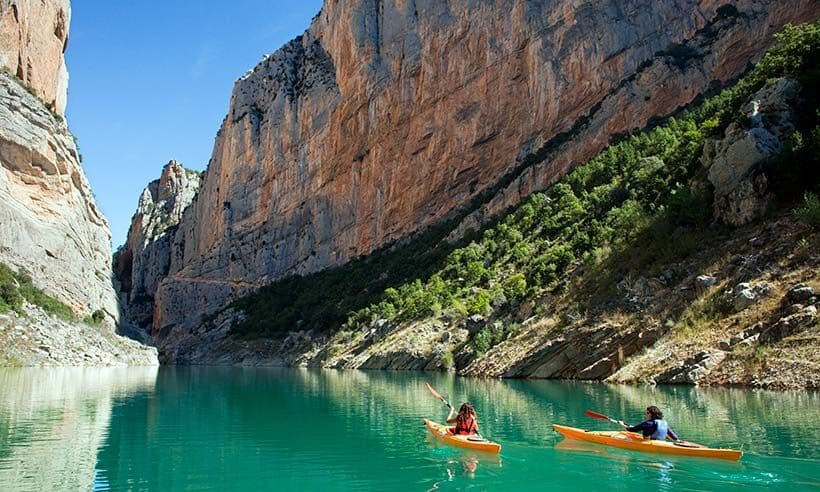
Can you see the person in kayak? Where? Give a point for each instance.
(466, 421)
(654, 427)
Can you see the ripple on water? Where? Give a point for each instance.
(241, 429)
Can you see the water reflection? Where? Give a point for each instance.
(249, 429)
(53, 421)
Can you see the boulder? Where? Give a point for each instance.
(800, 293)
(737, 163)
(693, 369)
(789, 325)
(703, 282)
(743, 297)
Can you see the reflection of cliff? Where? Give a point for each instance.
(52, 422)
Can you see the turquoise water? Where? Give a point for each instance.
(271, 429)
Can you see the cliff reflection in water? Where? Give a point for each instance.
(53, 421)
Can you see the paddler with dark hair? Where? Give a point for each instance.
(466, 421)
(654, 427)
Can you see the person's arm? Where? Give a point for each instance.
(450, 418)
(635, 428)
(671, 433)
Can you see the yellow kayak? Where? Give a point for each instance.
(442, 433)
(636, 442)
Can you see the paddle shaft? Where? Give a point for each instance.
(438, 395)
(600, 416)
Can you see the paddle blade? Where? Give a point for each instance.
(437, 395)
(596, 415)
(434, 392)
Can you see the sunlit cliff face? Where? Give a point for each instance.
(377, 123)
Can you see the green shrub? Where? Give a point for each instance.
(515, 286)
(479, 303)
(489, 337)
(447, 360)
(809, 213)
(482, 341)
(15, 287)
(95, 318)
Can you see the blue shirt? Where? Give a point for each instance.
(649, 427)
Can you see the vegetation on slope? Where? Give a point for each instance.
(641, 204)
(15, 287)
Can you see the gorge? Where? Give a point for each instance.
(396, 147)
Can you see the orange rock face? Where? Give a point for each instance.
(387, 117)
(33, 38)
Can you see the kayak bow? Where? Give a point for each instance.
(636, 442)
(443, 434)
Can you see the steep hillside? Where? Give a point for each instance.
(686, 253)
(387, 118)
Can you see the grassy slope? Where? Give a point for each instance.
(15, 287)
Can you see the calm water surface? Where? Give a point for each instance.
(271, 429)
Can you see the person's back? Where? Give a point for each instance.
(466, 421)
(654, 427)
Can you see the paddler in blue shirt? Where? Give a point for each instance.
(654, 427)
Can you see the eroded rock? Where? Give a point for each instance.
(693, 369)
(50, 224)
(737, 163)
(145, 259)
(33, 38)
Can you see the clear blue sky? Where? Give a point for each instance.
(150, 81)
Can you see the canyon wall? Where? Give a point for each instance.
(33, 38)
(145, 258)
(386, 117)
(49, 221)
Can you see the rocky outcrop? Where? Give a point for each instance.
(586, 352)
(145, 258)
(737, 163)
(37, 339)
(49, 221)
(387, 117)
(693, 369)
(33, 38)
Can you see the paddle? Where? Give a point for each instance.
(444, 400)
(438, 395)
(600, 416)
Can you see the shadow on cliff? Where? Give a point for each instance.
(323, 301)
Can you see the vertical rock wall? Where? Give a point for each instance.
(33, 38)
(145, 258)
(386, 117)
(49, 220)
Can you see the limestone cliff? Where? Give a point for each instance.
(33, 38)
(387, 117)
(145, 258)
(49, 221)
(51, 229)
